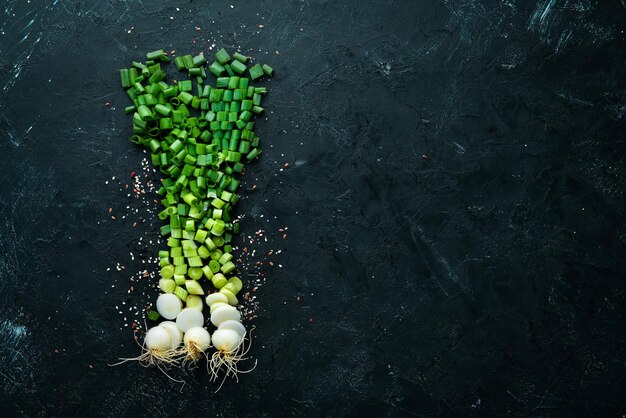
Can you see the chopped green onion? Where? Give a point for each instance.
(181, 293)
(222, 56)
(200, 138)
(267, 70)
(155, 55)
(125, 78)
(239, 57)
(228, 267)
(207, 272)
(232, 299)
(219, 280)
(226, 257)
(167, 285)
(214, 266)
(236, 282)
(195, 273)
(153, 315)
(179, 279)
(256, 71)
(217, 69)
(238, 67)
(167, 272)
(193, 287)
(230, 287)
(199, 60)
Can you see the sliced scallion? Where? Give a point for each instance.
(200, 134)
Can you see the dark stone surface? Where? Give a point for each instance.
(486, 279)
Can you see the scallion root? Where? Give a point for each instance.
(160, 348)
(226, 359)
(196, 341)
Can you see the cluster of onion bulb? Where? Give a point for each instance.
(228, 338)
(182, 338)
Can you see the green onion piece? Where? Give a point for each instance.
(238, 67)
(226, 257)
(195, 273)
(246, 104)
(188, 242)
(219, 280)
(155, 55)
(233, 82)
(230, 287)
(191, 252)
(267, 70)
(256, 71)
(232, 299)
(217, 69)
(165, 124)
(181, 293)
(180, 63)
(214, 266)
(144, 112)
(190, 199)
(228, 267)
(222, 56)
(199, 60)
(209, 241)
(193, 287)
(185, 97)
(153, 315)
(167, 285)
(236, 282)
(207, 272)
(217, 203)
(253, 154)
(239, 57)
(164, 110)
(188, 60)
(167, 272)
(203, 252)
(125, 78)
(180, 279)
(201, 235)
(132, 75)
(195, 261)
(216, 254)
(157, 76)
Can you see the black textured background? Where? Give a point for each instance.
(455, 203)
